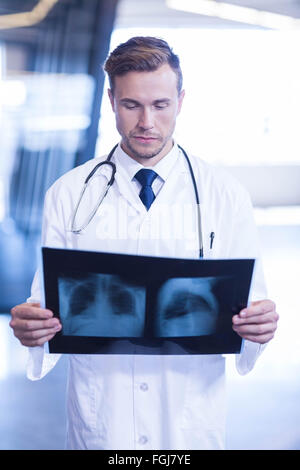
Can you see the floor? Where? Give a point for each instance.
(263, 407)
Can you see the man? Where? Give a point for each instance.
(148, 402)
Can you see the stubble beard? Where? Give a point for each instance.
(145, 155)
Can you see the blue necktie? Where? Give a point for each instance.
(145, 178)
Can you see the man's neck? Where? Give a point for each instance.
(150, 161)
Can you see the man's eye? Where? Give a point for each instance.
(161, 105)
(131, 106)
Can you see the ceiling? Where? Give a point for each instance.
(155, 13)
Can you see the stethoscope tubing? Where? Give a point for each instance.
(110, 183)
(200, 238)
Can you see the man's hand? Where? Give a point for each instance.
(258, 322)
(33, 325)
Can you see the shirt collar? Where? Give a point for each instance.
(131, 167)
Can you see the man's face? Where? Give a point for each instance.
(146, 105)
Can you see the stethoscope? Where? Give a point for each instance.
(110, 183)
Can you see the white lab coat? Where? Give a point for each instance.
(150, 402)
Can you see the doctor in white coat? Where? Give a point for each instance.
(135, 401)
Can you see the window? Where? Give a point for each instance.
(242, 103)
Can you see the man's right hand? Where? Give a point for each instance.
(33, 325)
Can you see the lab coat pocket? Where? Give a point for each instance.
(204, 408)
(82, 393)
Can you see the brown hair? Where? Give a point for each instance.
(141, 54)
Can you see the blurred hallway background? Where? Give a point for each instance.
(242, 111)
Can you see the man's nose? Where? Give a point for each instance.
(146, 119)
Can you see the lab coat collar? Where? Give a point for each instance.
(127, 167)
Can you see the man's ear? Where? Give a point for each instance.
(180, 100)
(111, 99)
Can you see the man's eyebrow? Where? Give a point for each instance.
(162, 100)
(132, 101)
(128, 100)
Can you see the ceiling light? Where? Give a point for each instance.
(241, 14)
(36, 15)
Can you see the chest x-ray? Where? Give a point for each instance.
(95, 304)
(186, 307)
(122, 304)
(109, 306)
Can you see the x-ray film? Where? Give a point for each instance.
(125, 304)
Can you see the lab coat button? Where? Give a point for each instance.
(143, 440)
(144, 387)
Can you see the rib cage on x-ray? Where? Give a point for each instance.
(84, 293)
(101, 305)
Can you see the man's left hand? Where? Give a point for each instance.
(258, 322)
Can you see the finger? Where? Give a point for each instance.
(30, 311)
(258, 308)
(37, 334)
(37, 341)
(255, 330)
(261, 339)
(255, 319)
(20, 324)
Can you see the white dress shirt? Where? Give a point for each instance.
(162, 168)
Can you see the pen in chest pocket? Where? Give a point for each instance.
(212, 236)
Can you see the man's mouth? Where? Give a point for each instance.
(144, 139)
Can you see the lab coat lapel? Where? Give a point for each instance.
(177, 197)
(176, 180)
(126, 190)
